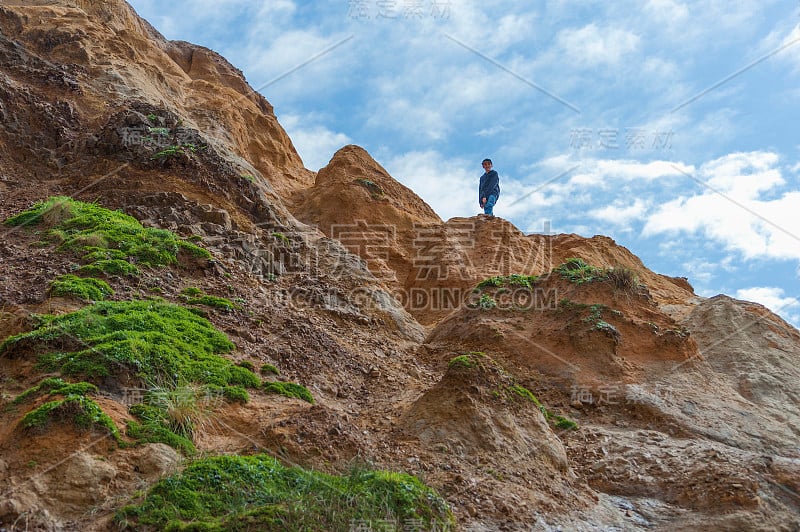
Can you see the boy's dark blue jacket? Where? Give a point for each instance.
(489, 185)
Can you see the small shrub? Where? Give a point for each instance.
(374, 188)
(191, 291)
(289, 389)
(623, 278)
(577, 271)
(515, 279)
(85, 288)
(486, 302)
(564, 423)
(461, 362)
(177, 149)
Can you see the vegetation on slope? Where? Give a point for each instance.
(259, 493)
(505, 385)
(157, 342)
(109, 242)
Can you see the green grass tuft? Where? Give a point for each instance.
(579, 272)
(191, 291)
(468, 361)
(157, 342)
(259, 493)
(85, 288)
(236, 394)
(56, 386)
(214, 302)
(154, 427)
(81, 410)
(289, 389)
(102, 234)
(269, 368)
(110, 267)
(515, 279)
(280, 236)
(560, 421)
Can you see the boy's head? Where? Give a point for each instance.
(487, 164)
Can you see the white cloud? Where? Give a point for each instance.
(667, 11)
(774, 299)
(619, 213)
(743, 175)
(739, 219)
(491, 131)
(316, 144)
(701, 271)
(598, 172)
(449, 186)
(590, 45)
(290, 62)
(635, 170)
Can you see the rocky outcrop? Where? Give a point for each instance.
(347, 282)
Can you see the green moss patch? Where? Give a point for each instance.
(79, 409)
(559, 421)
(515, 279)
(104, 237)
(235, 394)
(110, 267)
(267, 369)
(487, 372)
(155, 341)
(214, 302)
(468, 361)
(194, 296)
(259, 493)
(289, 389)
(56, 386)
(85, 288)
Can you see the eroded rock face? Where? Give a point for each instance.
(688, 408)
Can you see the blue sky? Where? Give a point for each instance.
(667, 125)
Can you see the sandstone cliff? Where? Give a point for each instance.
(534, 381)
